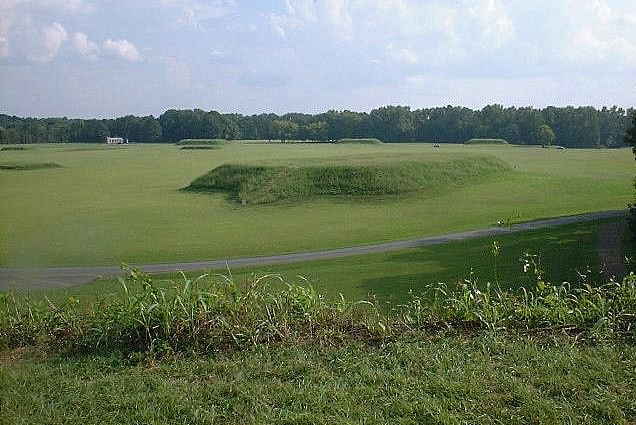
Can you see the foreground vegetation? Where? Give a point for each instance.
(442, 379)
(212, 312)
(125, 203)
(212, 351)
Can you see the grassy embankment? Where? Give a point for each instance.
(26, 166)
(216, 351)
(213, 351)
(363, 141)
(201, 142)
(125, 203)
(486, 142)
(264, 185)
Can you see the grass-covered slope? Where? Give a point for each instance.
(269, 184)
(207, 352)
(26, 166)
(417, 380)
(202, 147)
(201, 142)
(364, 141)
(486, 142)
(13, 148)
(210, 350)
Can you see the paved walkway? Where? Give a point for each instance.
(49, 277)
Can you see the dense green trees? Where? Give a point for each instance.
(571, 126)
(545, 135)
(197, 124)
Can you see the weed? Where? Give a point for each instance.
(212, 312)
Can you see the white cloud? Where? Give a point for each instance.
(123, 48)
(4, 47)
(6, 18)
(195, 12)
(20, 26)
(339, 15)
(52, 38)
(85, 47)
(601, 33)
(178, 74)
(494, 22)
(401, 54)
(305, 13)
(72, 6)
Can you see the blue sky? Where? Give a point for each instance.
(89, 58)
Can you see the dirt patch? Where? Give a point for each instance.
(610, 251)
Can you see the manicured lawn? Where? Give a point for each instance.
(563, 252)
(112, 204)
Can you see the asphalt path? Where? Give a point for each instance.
(14, 278)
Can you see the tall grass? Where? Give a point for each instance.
(269, 184)
(214, 313)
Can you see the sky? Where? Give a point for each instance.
(90, 58)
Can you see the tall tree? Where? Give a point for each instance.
(545, 135)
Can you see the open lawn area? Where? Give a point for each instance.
(107, 204)
(564, 253)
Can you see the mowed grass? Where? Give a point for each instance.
(566, 253)
(124, 204)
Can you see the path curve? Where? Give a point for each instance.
(51, 277)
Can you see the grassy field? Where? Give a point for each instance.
(108, 204)
(240, 353)
(564, 253)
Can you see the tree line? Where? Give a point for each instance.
(584, 126)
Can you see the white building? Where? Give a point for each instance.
(116, 140)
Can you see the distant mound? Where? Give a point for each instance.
(270, 184)
(201, 142)
(13, 148)
(486, 142)
(22, 166)
(363, 141)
